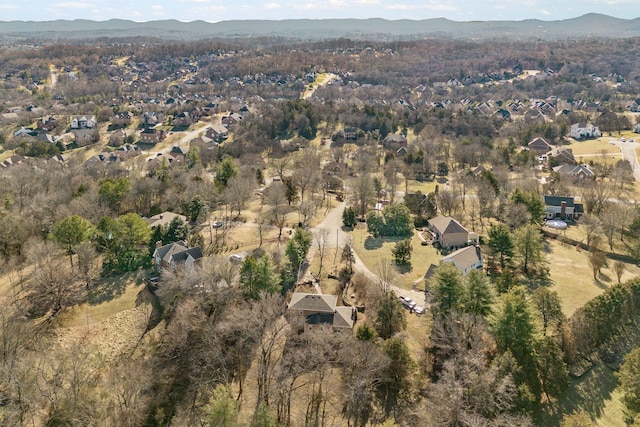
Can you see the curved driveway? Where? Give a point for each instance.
(333, 222)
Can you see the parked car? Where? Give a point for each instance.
(407, 302)
(419, 310)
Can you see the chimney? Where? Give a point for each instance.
(563, 210)
(158, 243)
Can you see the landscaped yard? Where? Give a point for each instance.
(593, 146)
(373, 251)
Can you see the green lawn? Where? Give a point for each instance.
(372, 251)
(88, 314)
(593, 146)
(573, 279)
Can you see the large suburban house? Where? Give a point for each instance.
(164, 219)
(151, 135)
(122, 118)
(562, 207)
(540, 146)
(561, 156)
(176, 255)
(576, 171)
(83, 122)
(394, 140)
(218, 133)
(465, 259)
(310, 311)
(448, 232)
(47, 124)
(584, 130)
(231, 119)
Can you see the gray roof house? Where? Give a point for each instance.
(465, 259)
(310, 311)
(562, 207)
(177, 255)
(163, 219)
(578, 171)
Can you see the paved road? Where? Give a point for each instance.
(628, 150)
(333, 222)
(308, 93)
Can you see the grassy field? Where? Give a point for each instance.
(111, 296)
(424, 187)
(372, 251)
(593, 146)
(573, 279)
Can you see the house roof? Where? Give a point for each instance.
(570, 202)
(394, 137)
(557, 201)
(465, 257)
(195, 253)
(165, 252)
(562, 154)
(164, 218)
(430, 271)
(343, 318)
(573, 170)
(446, 224)
(540, 144)
(320, 303)
(218, 129)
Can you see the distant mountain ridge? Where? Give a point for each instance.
(589, 25)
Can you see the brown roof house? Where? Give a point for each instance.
(394, 140)
(540, 146)
(448, 232)
(151, 135)
(231, 119)
(310, 311)
(122, 118)
(47, 124)
(163, 219)
(218, 133)
(561, 156)
(175, 256)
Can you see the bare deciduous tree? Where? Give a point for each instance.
(321, 237)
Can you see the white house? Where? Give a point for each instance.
(584, 130)
(465, 259)
(83, 123)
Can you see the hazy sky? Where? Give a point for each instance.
(222, 10)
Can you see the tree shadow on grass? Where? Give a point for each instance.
(110, 288)
(600, 284)
(373, 243)
(591, 391)
(404, 268)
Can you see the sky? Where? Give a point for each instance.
(224, 10)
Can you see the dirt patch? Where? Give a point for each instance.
(113, 337)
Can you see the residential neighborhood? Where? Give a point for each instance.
(299, 232)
